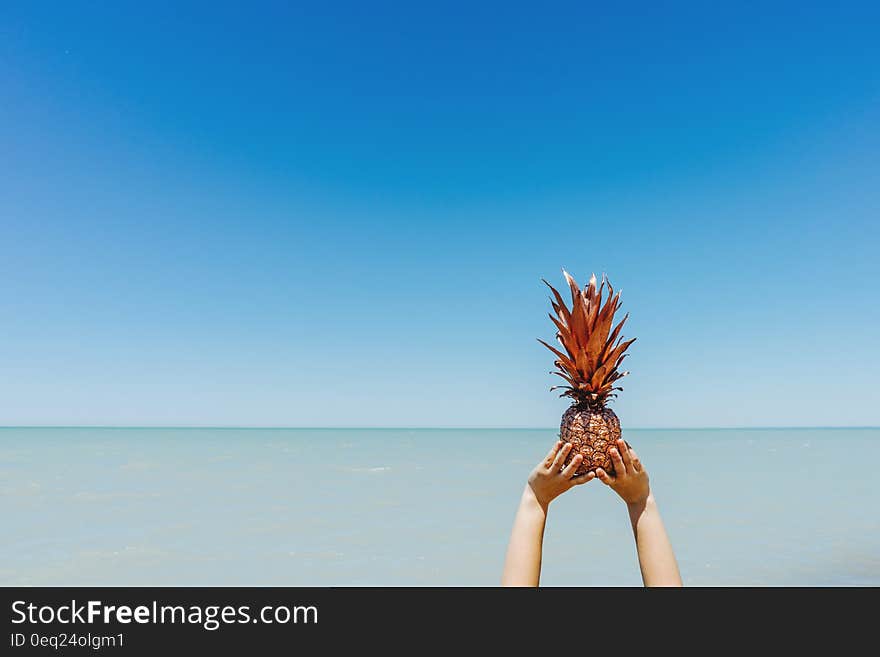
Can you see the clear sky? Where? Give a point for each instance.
(337, 214)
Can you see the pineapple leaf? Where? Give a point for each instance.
(594, 350)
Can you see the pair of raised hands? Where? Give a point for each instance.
(550, 479)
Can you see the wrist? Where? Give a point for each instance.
(531, 499)
(642, 503)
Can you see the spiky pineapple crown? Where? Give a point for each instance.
(593, 351)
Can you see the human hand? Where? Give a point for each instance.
(630, 479)
(549, 479)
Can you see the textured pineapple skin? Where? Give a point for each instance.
(591, 432)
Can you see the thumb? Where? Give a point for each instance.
(604, 477)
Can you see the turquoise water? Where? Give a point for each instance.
(412, 507)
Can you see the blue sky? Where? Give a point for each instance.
(337, 214)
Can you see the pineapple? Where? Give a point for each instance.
(589, 366)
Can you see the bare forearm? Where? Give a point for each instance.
(656, 558)
(522, 566)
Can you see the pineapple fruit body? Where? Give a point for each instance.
(592, 433)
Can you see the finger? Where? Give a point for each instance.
(560, 457)
(548, 460)
(619, 467)
(570, 469)
(604, 477)
(583, 479)
(637, 464)
(623, 448)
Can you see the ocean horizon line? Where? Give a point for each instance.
(232, 427)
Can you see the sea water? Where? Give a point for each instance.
(98, 506)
